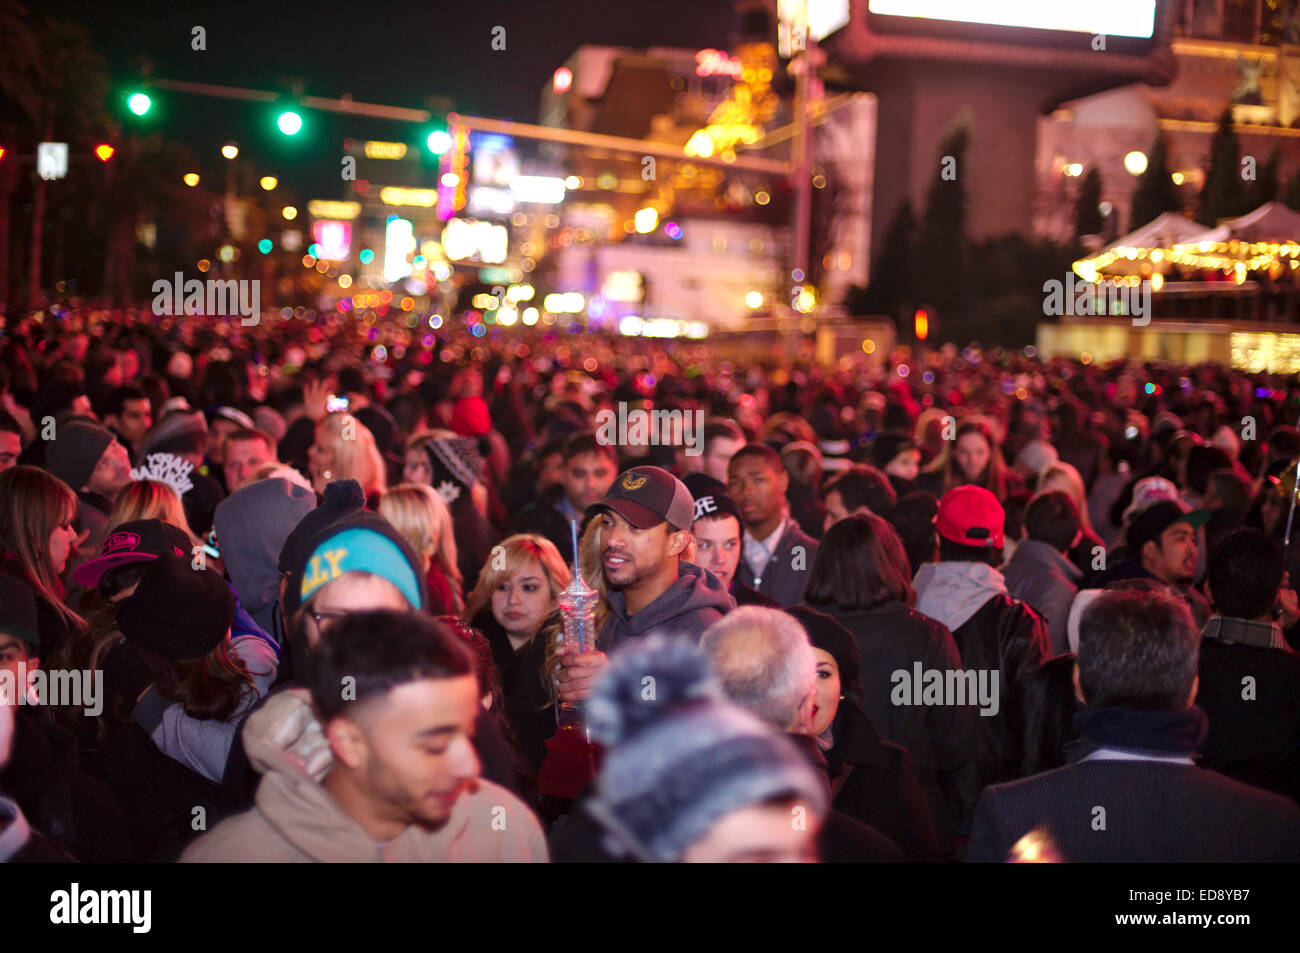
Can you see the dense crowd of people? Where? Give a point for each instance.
(955, 605)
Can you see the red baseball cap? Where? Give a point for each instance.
(971, 516)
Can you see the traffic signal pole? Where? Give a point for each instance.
(520, 130)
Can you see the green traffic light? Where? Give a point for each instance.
(139, 103)
(438, 142)
(290, 123)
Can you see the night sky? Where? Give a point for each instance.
(380, 51)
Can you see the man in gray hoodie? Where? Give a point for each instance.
(645, 521)
(252, 525)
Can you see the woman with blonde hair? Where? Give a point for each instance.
(534, 698)
(423, 519)
(345, 450)
(1062, 476)
(148, 500)
(38, 513)
(515, 597)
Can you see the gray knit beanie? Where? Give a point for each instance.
(75, 450)
(681, 757)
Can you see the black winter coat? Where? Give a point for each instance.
(1006, 636)
(941, 739)
(873, 782)
(77, 813)
(542, 518)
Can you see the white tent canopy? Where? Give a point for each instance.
(1130, 254)
(1164, 231)
(1272, 223)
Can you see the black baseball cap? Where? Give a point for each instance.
(1158, 517)
(177, 611)
(133, 542)
(648, 496)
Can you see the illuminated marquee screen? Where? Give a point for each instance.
(1135, 18)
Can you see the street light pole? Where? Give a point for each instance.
(802, 168)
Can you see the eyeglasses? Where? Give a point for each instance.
(320, 618)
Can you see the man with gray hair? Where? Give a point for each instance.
(766, 665)
(765, 662)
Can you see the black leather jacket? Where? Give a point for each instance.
(1008, 637)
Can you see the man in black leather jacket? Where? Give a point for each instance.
(1000, 638)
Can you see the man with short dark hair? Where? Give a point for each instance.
(1138, 796)
(11, 441)
(913, 519)
(994, 632)
(1161, 545)
(397, 699)
(589, 469)
(777, 553)
(858, 489)
(127, 412)
(1249, 676)
(1040, 572)
(722, 438)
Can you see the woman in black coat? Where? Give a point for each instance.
(860, 578)
(872, 781)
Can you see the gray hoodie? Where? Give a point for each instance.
(689, 606)
(952, 592)
(252, 525)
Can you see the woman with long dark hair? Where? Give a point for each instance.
(974, 457)
(162, 638)
(38, 538)
(860, 578)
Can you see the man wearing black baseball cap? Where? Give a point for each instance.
(644, 523)
(1161, 543)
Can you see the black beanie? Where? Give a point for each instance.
(177, 611)
(887, 446)
(342, 498)
(827, 634)
(75, 451)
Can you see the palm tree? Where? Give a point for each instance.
(147, 185)
(71, 90)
